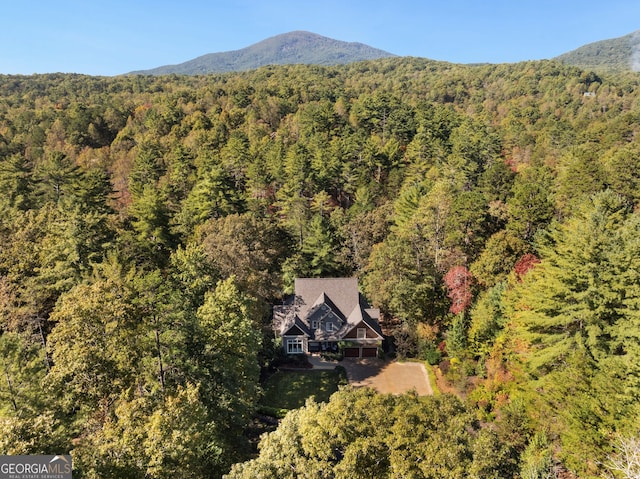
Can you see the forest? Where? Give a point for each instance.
(492, 213)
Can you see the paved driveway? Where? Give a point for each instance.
(388, 377)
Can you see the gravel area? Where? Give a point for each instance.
(388, 377)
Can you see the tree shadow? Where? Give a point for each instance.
(360, 371)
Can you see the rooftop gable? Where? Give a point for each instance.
(297, 328)
(342, 293)
(324, 301)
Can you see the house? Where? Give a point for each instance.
(325, 313)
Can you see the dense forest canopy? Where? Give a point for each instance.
(148, 223)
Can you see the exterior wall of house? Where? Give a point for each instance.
(355, 334)
(362, 342)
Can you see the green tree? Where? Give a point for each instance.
(57, 178)
(578, 291)
(96, 342)
(250, 248)
(384, 436)
(22, 365)
(150, 221)
(398, 283)
(183, 439)
(213, 196)
(235, 158)
(577, 313)
(154, 437)
(501, 252)
(621, 166)
(426, 229)
(17, 183)
(466, 224)
(318, 250)
(496, 181)
(75, 240)
(228, 365)
(537, 459)
(356, 233)
(148, 166)
(296, 190)
(529, 209)
(488, 319)
(27, 435)
(191, 275)
(26, 304)
(579, 175)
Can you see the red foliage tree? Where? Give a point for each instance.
(524, 264)
(458, 281)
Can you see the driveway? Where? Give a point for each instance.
(388, 377)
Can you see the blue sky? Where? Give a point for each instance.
(117, 36)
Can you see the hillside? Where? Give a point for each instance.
(613, 55)
(289, 48)
(149, 223)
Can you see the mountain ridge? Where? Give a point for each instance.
(615, 55)
(612, 55)
(287, 48)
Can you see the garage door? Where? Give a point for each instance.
(351, 352)
(369, 352)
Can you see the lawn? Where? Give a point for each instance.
(290, 389)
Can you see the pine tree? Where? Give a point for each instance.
(577, 292)
(576, 312)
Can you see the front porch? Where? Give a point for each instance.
(323, 347)
(347, 349)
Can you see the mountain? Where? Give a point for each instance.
(288, 48)
(613, 55)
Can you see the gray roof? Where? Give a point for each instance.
(334, 299)
(343, 293)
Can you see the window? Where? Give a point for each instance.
(294, 346)
(314, 324)
(362, 333)
(331, 327)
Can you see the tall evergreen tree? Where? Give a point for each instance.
(577, 313)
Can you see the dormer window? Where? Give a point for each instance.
(315, 324)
